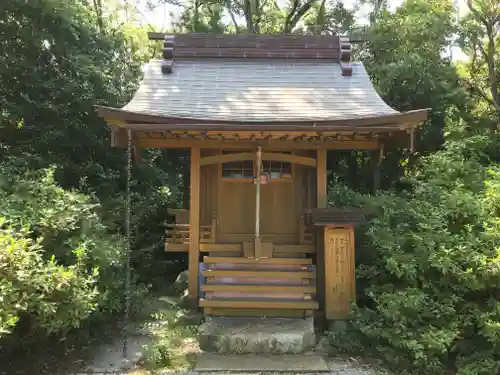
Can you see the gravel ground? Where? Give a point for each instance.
(109, 361)
(337, 367)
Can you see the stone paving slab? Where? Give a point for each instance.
(109, 359)
(259, 363)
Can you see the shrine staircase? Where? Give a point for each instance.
(270, 287)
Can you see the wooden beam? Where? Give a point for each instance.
(250, 288)
(220, 247)
(148, 122)
(322, 198)
(260, 304)
(303, 249)
(282, 313)
(286, 158)
(274, 145)
(194, 224)
(260, 274)
(256, 130)
(274, 261)
(227, 158)
(205, 247)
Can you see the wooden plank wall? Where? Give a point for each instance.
(283, 202)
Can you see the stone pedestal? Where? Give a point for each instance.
(257, 336)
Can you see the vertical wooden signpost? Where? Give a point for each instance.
(339, 271)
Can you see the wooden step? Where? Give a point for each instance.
(260, 274)
(268, 313)
(260, 304)
(241, 260)
(249, 288)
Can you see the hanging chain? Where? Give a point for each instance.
(257, 196)
(128, 240)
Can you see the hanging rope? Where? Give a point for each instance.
(126, 314)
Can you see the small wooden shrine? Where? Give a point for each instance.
(259, 114)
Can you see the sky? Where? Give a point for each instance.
(160, 17)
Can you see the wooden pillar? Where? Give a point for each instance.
(340, 281)
(185, 183)
(377, 157)
(321, 202)
(194, 224)
(322, 198)
(376, 171)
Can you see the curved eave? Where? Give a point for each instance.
(144, 122)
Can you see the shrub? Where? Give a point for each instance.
(53, 297)
(432, 272)
(58, 262)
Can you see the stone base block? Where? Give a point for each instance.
(256, 335)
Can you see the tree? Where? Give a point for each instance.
(377, 6)
(479, 36)
(405, 58)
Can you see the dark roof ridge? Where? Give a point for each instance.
(251, 46)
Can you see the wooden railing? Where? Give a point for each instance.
(179, 233)
(306, 232)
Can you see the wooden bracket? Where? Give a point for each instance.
(167, 65)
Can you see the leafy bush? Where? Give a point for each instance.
(53, 297)
(431, 265)
(58, 262)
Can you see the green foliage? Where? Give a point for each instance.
(59, 59)
(405, 60)
(172, 340)
(59, 263)
(432, 272)
(54, 298)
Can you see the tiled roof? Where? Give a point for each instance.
(257, 90)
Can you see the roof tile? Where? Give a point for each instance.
(257, 90)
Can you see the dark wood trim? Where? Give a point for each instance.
(336, 217)
(146, 122)
(275, 145)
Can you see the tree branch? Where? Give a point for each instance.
(288, 18)
(233, 18)
(298, 15)
(488, 54)
(247, 10)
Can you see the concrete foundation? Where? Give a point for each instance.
(257, 336)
